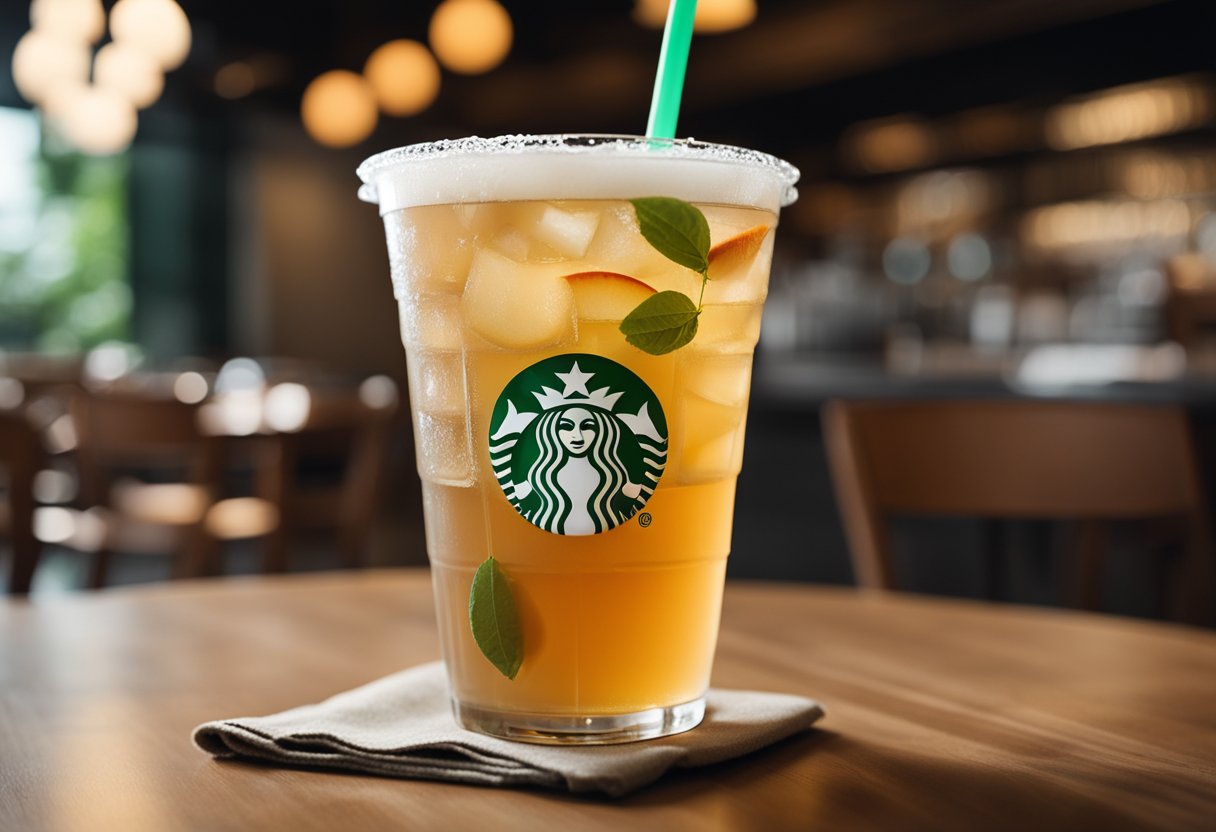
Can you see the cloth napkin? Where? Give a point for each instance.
(402, 726)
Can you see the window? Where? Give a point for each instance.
(64, 281)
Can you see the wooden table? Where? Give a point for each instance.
(941, 715)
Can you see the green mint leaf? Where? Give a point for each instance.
(677, 230)
(494, 619)
(663, 322)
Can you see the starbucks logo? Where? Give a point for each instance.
(578, 443)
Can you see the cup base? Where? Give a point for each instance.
(542, 729)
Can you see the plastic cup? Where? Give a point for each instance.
(601, 478)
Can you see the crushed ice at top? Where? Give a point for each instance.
(466, 153)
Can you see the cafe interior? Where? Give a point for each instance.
(972, 570)
(987, 361)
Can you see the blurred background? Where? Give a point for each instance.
(1012, 200)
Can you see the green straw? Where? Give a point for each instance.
(673, 60)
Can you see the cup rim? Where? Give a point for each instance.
(576, 143)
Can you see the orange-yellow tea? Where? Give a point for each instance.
(600, 477)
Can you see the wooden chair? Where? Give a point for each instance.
(1017, 459)
(21, 457)
(353, 432)
(125, 431)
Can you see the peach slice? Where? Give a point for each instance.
(606, 296)
(733, 256)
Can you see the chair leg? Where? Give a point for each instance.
(98, 569)
(275, 469)
(1090, 553)
(352, 543)
(199, 556)
(994, 560)
(26, 548)
(274, 551)
(1197, 574)
(864, 526)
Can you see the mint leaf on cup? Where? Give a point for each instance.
(666, 321)
(663, 322)
(676, 229)
(494, 619)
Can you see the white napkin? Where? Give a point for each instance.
(402, 726)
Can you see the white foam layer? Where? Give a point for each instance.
(574, 167)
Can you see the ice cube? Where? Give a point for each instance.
(431, 322)
(517, 306)
(442, 445)
(722, 378)
(512, 243)
(726, 221)
(728, 328)
(467, 214)
(569, 233)
(455, 524)
(429, 250)
(485, 219)
(618, 246)
(614, 247)
(436, 381)
(710, 439)
(715, 459)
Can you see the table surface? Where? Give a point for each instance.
(941, 714)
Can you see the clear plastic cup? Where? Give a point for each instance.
(601, 478)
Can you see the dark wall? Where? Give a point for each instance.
(179, 241)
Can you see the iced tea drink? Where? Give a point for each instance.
(601, 478)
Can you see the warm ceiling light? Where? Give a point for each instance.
(43, 61)
(95, 120)
(470, 36)
(83, 20)
(712, 16)
(339, 108)
(129, 72)
(158, 27)
(404, 75)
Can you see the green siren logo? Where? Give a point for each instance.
(578, 443)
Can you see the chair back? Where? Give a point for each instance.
(355, 428)
(125, 429)
(1007, 459)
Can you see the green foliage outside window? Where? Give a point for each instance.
(64, 283)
